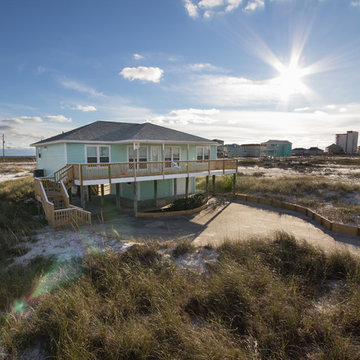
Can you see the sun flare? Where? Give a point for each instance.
(290, 80)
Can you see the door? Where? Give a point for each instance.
(155, 157)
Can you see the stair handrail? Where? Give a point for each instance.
(47, 205)
(64, 193)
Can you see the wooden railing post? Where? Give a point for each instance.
(209, 168)
(224, 166)
(109, 173)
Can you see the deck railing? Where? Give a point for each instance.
(110, 171)
(72, 215)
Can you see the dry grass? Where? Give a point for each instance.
(259, 302)
(19, 217)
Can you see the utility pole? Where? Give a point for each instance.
(3, 145)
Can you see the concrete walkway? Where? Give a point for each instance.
(221, 220)
(239, 221)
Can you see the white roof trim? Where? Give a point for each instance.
(124, 142)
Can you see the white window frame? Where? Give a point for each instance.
(137, 152)
(206, 147)
(169, 163)
(172, 152)
(97, 153)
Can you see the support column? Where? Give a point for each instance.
(82, 196)
(117, 195)
(207, 186)
(102, 194)
(135, 198)
(213, 184)
(234, 186)
(187, 187)
(155, 192)
(175, 188)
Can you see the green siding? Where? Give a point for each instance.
(119, 153)
(52, 158)
(147, 190)
(127, 190)
(76, 153)
(165, 188)
(213, 152)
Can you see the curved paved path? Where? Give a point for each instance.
(239, 221)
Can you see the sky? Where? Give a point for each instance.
(243, 71)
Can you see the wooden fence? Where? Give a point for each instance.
(321, 220)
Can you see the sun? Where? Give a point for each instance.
(290, 80)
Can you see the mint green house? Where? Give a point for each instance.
(146, 165)
(276, 148)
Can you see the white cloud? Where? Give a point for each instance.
(85, 108)
(191, 8)
(152, 74)
(58, 118)
(208, 8)
(210, 3)
(355, 3)
(199, 67)
(77, 86)
(23, 119)
(302, 109)
(224, 90)
(247, 126)
(138, 57)
(232, 5)
(186, 117)
(343, 109)
(254, 5)
(330, 107)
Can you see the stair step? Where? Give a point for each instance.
(53, 193)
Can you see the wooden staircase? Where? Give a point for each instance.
(52, 192)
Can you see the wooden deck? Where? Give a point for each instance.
(52, 192)
(102, 173)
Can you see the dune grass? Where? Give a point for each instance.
(19, 217)
(258, 302)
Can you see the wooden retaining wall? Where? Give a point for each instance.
(170, 213)
(326, 223)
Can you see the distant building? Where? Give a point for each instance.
(306, 152)
(220, 142)
(298, 152)
(314, 151)
(334, 149)
(220, 148)
(348, 142)
(251, 150)
(277, 148)
(232, 150)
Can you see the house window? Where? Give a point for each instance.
(97, 154)
(202, 152)
(104, 154)
(91, 152)
(141, 156)
(172, 154)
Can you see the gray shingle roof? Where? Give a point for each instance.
(118, 131)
